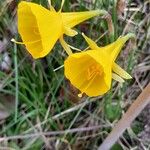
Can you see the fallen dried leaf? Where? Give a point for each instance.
(7, 105)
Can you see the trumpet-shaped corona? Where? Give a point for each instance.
(92, 71)
(40, 28)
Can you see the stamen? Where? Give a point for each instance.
(13, 40)
(80, 95)
(35, 30)
(93, 70)
(90, 82)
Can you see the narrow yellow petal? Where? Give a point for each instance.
(117, 45)
(122, 73)
(114, 48)
(65, 46)
(70, 32)
(117, 78)
(73, 18)
(91, 43)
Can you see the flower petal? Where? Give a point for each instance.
(114, 48)
(117, 78)
(117, 45)
(122, 73)
(102, 58)
(76, 67)
(70, 32)
(71, 19)
(91, 43)
(97, 86)
(38, 27)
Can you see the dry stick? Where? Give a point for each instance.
(50, 133)
(134, 110)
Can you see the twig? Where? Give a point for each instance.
(138, 105)
(51, 133)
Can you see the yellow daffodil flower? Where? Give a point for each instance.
(40, 28)
(92, 71)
